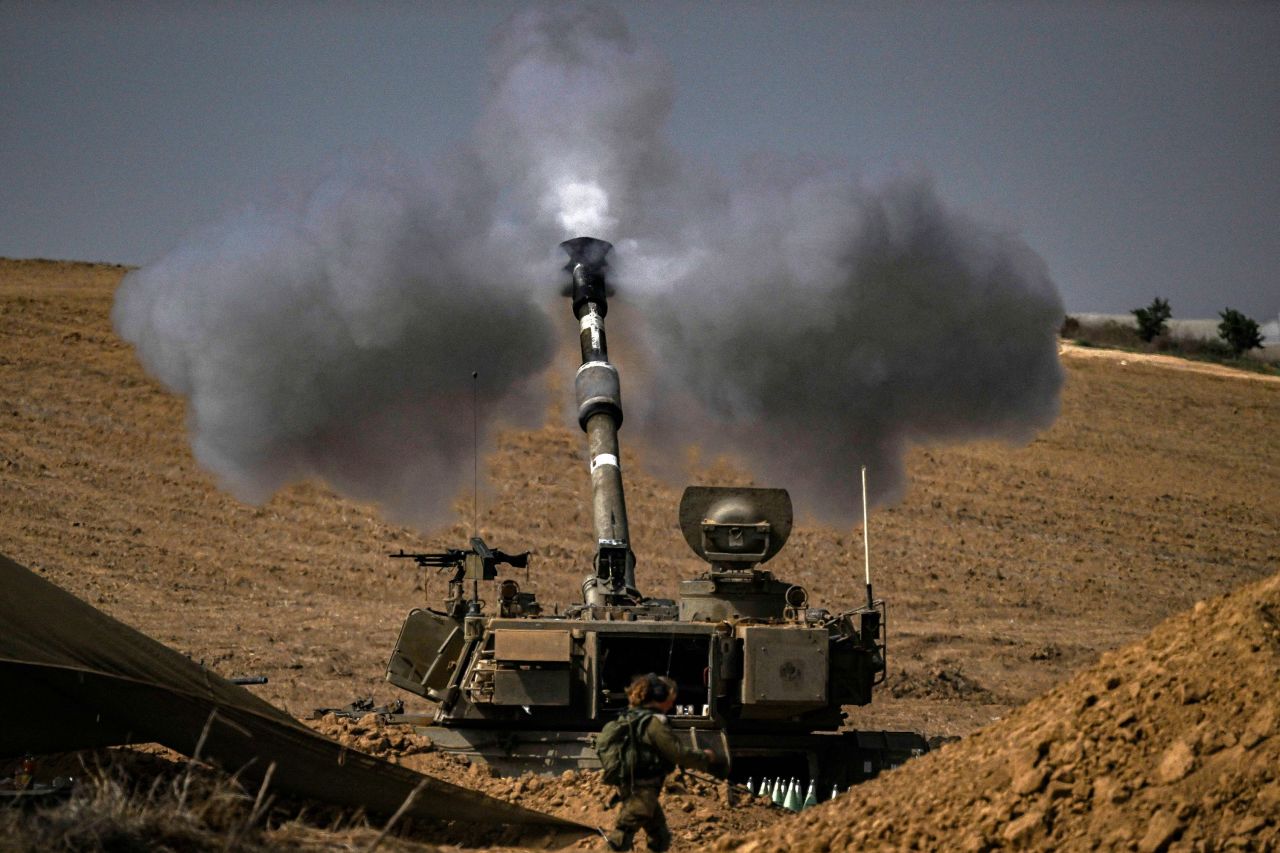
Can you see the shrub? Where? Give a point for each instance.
(1193, 347)
(1240, 332)
(1152, 319)
(1108, 333)
(189, 808)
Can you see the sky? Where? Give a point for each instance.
(1134, 146)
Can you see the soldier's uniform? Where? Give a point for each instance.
(641, 808)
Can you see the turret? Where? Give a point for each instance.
(600, 415)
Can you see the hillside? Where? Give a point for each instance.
(1006, 569)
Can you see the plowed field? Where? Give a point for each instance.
(1007, 570)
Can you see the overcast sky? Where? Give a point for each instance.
(1135, 146)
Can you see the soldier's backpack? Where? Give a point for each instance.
(624, 756)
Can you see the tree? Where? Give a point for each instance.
(1151, 320)
(1240, 332)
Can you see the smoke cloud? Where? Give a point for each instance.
(334, 334)
(795, 315)
(574, 132)
(821, 326)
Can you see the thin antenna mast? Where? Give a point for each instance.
(475, 453)
(866, 541)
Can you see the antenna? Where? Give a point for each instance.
(866, 541)
(475, 453)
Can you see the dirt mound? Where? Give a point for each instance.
(699, 808)
(937, 684)
(1173, 742)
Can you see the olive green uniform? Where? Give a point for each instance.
(640, 806)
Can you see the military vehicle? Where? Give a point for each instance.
(762, 674)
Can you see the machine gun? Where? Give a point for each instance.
(475, 564)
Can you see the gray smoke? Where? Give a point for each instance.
(334, 333)
(574, 133)
(819, 326)
(808, 322)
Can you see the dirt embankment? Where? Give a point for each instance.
(1075, 351)
(1170, 743)
(699, 808)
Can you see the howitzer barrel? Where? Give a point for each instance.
(599, 396)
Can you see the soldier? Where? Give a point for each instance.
(656, 754)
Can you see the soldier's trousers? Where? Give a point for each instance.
(641, 810)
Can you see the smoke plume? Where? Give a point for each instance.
(573, 128)
(822, 326)
(334, 335)
(808, 321)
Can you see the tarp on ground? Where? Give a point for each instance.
(71, 677)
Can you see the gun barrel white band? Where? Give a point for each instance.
(595, 365)
(604, 459)
(592, 322)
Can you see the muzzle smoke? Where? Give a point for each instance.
(809, 322)
(334, 336)
(820, 326)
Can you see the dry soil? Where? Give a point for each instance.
(1007, 570)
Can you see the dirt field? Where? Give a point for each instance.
(1007, 570)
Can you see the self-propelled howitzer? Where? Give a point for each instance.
(761, 673)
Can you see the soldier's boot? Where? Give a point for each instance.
(659, 838)
(620, 839)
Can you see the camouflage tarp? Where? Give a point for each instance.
(72, 677)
